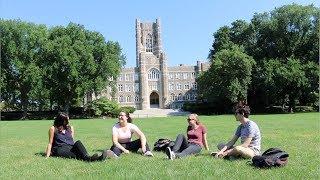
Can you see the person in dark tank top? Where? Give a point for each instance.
(61, 142)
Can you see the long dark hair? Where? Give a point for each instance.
(129, 120)
(62, 119)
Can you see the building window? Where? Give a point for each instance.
(186, 86)
(187, 96)
(194, 86)
(172, 97)
(193, 75)
(153, 74)
(177, 76)
(180, 97)
(128, 98)
(170, 75)
(127, 77)
(127, 87)
(120, 87)
(136, 77)
(121, 99)
(149, 43)
(136, 87)
(120, 78)
(179, 86)
(136, 98)
(153, 86)
(185, 75)
(171, 87)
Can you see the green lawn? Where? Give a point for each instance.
(298, 134)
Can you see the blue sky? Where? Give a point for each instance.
(187, 25)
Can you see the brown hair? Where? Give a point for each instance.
(62, 119)
(242, 108)
(129, 119)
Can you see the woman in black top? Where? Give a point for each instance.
(61, 142)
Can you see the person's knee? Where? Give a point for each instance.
(220, 146)
(180, 135)
(244, 152)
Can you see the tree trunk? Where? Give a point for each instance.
(24, 103)
(291, 104)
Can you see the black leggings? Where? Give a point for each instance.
(77, 151)
(131, 146)
(183, 148)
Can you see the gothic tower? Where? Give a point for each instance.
(151, 64)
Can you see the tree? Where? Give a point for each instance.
(79, 61)
(22, 45)
(288, 32)
(228, 77)
(289, 76)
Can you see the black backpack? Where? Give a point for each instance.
(162, 144)
(273, 157)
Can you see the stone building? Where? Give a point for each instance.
(152, 84)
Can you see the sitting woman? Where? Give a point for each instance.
(197, 138)
(121, 137)
(61, 142)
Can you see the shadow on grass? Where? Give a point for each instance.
(43, 154)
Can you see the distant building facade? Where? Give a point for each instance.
(152, 84)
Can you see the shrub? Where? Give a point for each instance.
(304, 109)
(127, 109)
(102, 107)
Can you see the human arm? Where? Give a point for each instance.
(49, 147)
(228, 145)
(72, 131)
(205, 142)
(142, 138)
(117, 144)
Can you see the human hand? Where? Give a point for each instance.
(219, 155)
(126, 151)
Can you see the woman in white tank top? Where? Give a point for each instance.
(122, 134)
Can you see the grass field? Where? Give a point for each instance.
(298, 134)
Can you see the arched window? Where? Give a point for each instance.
(172, 97)
(187, 96)
(149, 43)
(154, 74)
(128, 98)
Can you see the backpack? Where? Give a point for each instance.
(162, 144)
(273, 157)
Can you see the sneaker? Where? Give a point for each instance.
(110, 154)
(170, 154)
(94, 157)
(107, 154)
(148, 153)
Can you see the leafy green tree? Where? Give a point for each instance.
(290, 76)
(288, 32)
(22, 46)
(79, 61)
(228, 78)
